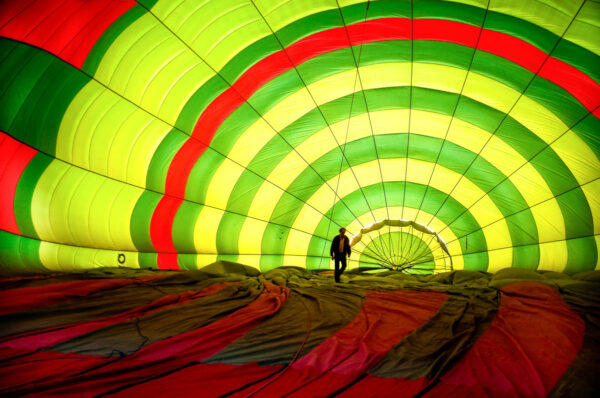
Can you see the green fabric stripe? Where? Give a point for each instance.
(24, 193)
(444, 53)
(107, 38)
(162, 158)
(201, 175)
(453, 157)
(183, 227)
(465, 224)
(40, 88)
(148, 260)
(583, 255)
(497, 68)
(539, 37)
(140, 221)
(228, 233)
(19, 254)
(551, 167)
(413, 246)
(198, 102)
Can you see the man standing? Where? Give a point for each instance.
(339, 248)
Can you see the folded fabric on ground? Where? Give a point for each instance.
(229, 330)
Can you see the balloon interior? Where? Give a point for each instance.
(173, 173)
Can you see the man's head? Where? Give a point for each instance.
(342, 231)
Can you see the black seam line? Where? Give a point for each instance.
(342, 360)
(512, 107)
(324, 119)
(528, 245)
(92, 78)
(326, 122)
(17, 14)
(298, 351)
(381, 252)
(341, 164)
(245, 100)
(515, 171)
(51, 156)
(387, 251)
(525, 209)
(410, 92)
(459, 96)
(343, 150)
(371, 254)
(129, 251)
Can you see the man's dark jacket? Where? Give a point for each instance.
(335, 245)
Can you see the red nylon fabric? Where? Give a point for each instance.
(49, 337)
(166, 356)
(581, 86)
(16, 300)
(16, 157)
(68, 29)
(529, 345)
(384, 320)
(202, 380)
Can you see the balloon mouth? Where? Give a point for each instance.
(407, 258)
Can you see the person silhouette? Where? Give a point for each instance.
(340, 247)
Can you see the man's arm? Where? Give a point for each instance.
(332, 246)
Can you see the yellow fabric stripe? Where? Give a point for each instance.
(484, 212)
(63, 258)
(527, 180)
(396, 212)
(251, 234)
(203, 259)
(105, 134)
(151, 67)
(72, 206)
(205, 230)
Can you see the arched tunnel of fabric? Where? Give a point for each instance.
(173, 173)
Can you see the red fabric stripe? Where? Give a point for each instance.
(161, 224)
(384, 320)
(170, 354)
(447, 31)
(580, 85)
(14, 157)
(68, 29)
(514, 49)
(181, 167)
(167, 261)
(42, 366)
(212, 380)
(23, 299)
(48, 337)
(516, 357)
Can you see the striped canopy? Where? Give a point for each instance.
(176, 133)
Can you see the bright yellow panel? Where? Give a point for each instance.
(251, 234)
(265, 201)
(485, 212)
(203, 259)
(252, 260)
(42, 198)
(205, 230)
(407, 213)
(553, 256)
(297, 242)
(63, 258)
(222, 184)
(499, 259)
